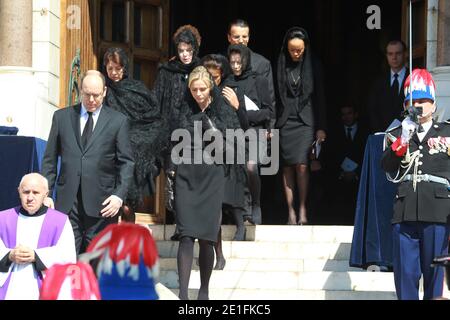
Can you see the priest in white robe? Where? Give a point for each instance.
(32, 239)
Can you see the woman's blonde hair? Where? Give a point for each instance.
(201, 73)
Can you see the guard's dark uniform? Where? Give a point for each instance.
(421, 209)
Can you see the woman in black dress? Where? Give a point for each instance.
(236, 179)
(301, 115)
(199, 188)
(148, 131)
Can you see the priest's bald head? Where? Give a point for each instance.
(33, 189)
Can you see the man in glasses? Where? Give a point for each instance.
(96, 164)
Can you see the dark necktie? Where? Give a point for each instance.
(349, 134)
(395, 85)
(87, 132)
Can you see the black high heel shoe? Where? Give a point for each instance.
(240, 234)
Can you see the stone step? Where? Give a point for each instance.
(255, 294)
(316, 234)
(282, 265)
(269, 250)
(276, 280)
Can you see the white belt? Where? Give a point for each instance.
(427, 178)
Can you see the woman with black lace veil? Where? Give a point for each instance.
(200, 186)
(301, 116)
(148, 130)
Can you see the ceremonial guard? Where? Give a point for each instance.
(417, 157)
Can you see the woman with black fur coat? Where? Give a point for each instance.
(171, 90)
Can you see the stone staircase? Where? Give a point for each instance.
(280, 263)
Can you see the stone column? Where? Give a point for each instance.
(16, 25)
(17, 83)
(443, 47)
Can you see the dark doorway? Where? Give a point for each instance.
(351, 54)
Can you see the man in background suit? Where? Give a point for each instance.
(386, 97)
(96, 161)
(344, 162)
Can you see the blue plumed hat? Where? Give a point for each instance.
(128, 262)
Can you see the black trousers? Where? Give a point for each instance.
(85, 227)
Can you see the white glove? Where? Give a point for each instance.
(408, 129)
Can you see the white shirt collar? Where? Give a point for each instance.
(426, 127)
(401, 74)
(84, 111)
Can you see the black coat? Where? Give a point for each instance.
(171, 89)
(104, 168)
(255, 87)
(431, 201)
(263, 68)
(199, 188)
(383, 105)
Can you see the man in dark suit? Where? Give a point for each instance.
(417, 158)
(386, 96)
(239, 33)
(96, 162)
(344, 162)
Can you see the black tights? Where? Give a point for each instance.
(206, 263)
(254, 183)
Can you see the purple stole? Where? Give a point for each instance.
(51, 230)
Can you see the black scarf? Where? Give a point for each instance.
(234, 81)
(245, 60)
(176, 66)
(305, 86)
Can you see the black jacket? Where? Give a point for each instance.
(263, 68)
(104, 168)
(309, 100)
(383, 105)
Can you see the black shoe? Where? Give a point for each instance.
(175, 236)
